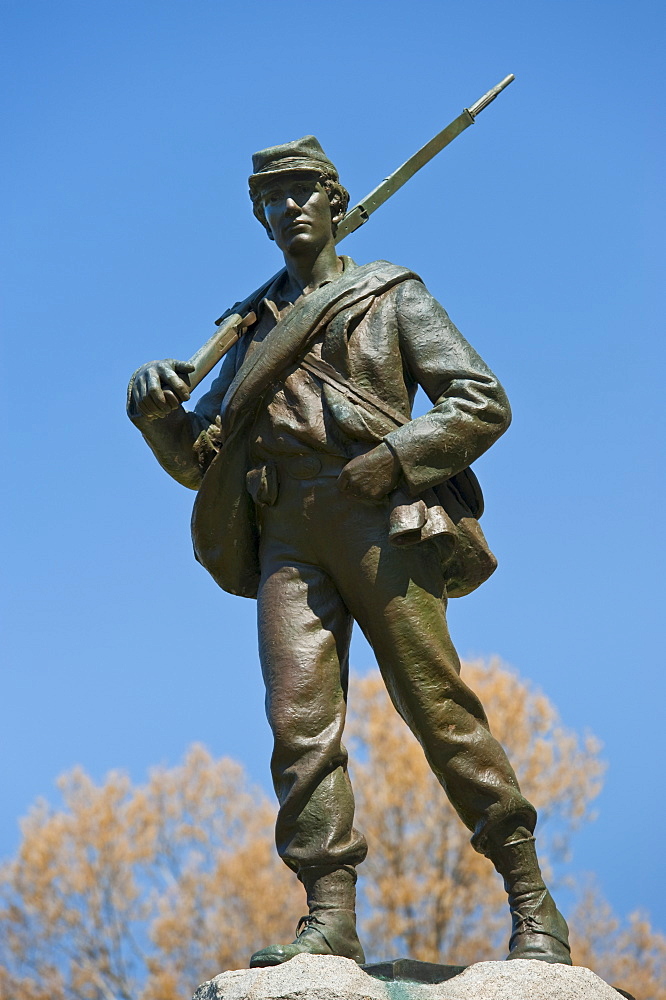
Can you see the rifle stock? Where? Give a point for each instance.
(228, 332)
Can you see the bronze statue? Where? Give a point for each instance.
(319, 495)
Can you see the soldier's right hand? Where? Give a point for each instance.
(158, 388)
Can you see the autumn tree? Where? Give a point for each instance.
(621, 952)
(144, 892)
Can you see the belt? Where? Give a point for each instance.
(263, 481)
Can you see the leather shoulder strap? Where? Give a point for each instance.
(321, 369)
(289, 339)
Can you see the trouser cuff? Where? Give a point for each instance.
(501, 824)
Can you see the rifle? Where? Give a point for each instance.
(232, 324)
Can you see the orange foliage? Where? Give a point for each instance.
(632, 956)
(141, 893)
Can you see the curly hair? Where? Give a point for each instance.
(338, 197)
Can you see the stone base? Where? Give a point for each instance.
(327, 977)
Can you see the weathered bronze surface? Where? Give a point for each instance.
(411, 971)
(320, 496)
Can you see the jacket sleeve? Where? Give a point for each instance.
(470, 408)
(172, 438)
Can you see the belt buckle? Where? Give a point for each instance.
(304, 466)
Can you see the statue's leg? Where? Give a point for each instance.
(539, 929)
(397, 595)
(304, 633)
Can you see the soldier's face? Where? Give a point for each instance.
(298, 213)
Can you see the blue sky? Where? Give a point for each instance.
(129, 230)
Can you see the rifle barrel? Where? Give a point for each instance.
(360, 213)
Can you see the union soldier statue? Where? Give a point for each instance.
(320, 496)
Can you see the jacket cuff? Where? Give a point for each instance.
(418, 473)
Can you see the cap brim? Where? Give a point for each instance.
(286, 167)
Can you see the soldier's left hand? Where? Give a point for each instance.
(371, 476)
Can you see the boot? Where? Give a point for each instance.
(539, 929)
(330, 926)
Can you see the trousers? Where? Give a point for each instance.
(326, 561)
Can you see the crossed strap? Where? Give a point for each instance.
(291, 337)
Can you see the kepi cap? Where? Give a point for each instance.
(302, 154)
